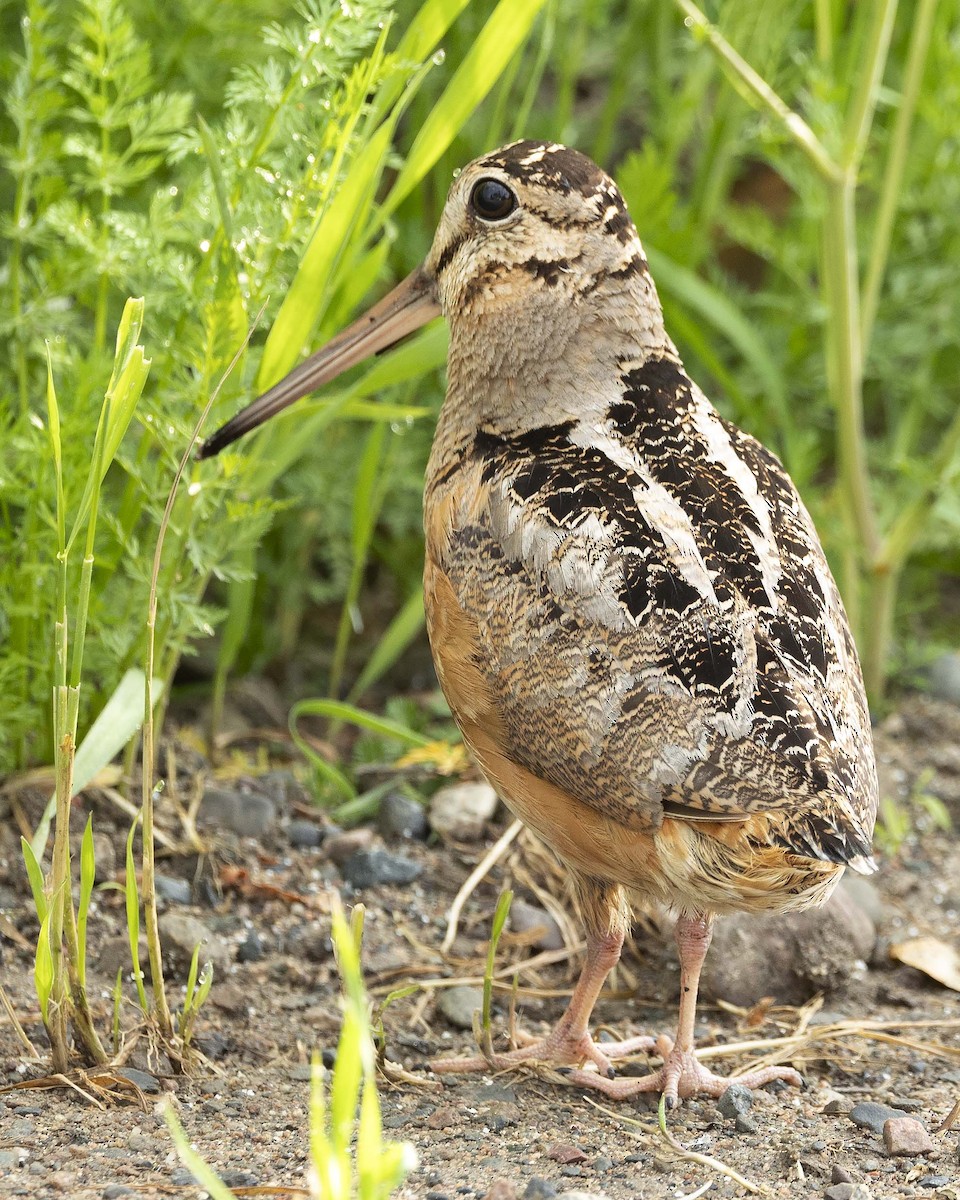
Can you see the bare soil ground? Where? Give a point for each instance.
(264, 903)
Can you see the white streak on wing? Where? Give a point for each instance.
(722, 451)
(659, 507)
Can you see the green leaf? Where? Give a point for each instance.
(201, 1171)
(309, 291)
(401, 631)
(35, 876)
(132, 899)
(88, 871)
(53, 428)
(43, 968)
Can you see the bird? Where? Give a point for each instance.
(629, 609)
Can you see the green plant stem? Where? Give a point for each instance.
(891, 188)
(845, 371)
(824, 31)
(864, 103)
(758, 91)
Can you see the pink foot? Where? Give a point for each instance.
(558, 1048)
(681, 1076)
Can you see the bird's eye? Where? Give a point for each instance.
(492, 200)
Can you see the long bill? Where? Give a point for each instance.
(412, 303)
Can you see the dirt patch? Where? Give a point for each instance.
(263, 901)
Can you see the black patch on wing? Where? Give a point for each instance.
(567, 484)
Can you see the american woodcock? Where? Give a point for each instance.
(630, 612)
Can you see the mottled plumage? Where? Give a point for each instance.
(628, 605)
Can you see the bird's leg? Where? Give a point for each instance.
(569, 1042)
(682, 1075)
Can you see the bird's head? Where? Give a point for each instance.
(535, 264)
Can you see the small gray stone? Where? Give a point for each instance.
(142, 1079)
(175, 891)
(116, 1191)
(247, 814)
(539, 1189)
(868, 1115)
(932, 1181)
(838, 1105)
(367, 868)
(401, 817)
(906, 1136)
(304, 834)
(864, 895)
(847, 1191)
(341, 844)
(944, 677)
(461, 810)
(458, 1004)
(251, 949)
(11, 1158)
(180, 933)
(524, 918)
(791, 956)
(735, 1101)
(602, 1163)
(839, 1175)
(745, 1123)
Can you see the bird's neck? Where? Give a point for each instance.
(517, 364)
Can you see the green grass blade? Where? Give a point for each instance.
(43, 969)
(35, 876)
(498, 41)
(88, 871)
(205, 1175)
(401, 631)
(310, 290)
(132, 899)
(338, 710)
(53, 428)
(499, 921)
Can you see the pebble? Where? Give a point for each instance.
(539, 1189)
(251, 949)
(502, 1189)
(304, 834)
(461, 810)
(340, 844)
(175, 891)
(868, 1115)
(12, 1157)
(180, 933)
(401, 817)
(735, 1101)
(839, 1175)
(847, 1191)
(791, 956)
(945, 677)
(905, 1135)
(934, 1181)
(367, 868)
(525, 918)
(247, 814)
(142, 1079)
(745, 1123)
(458, 1004)
(839, 1104)
(116, 1191)
(865, 895)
